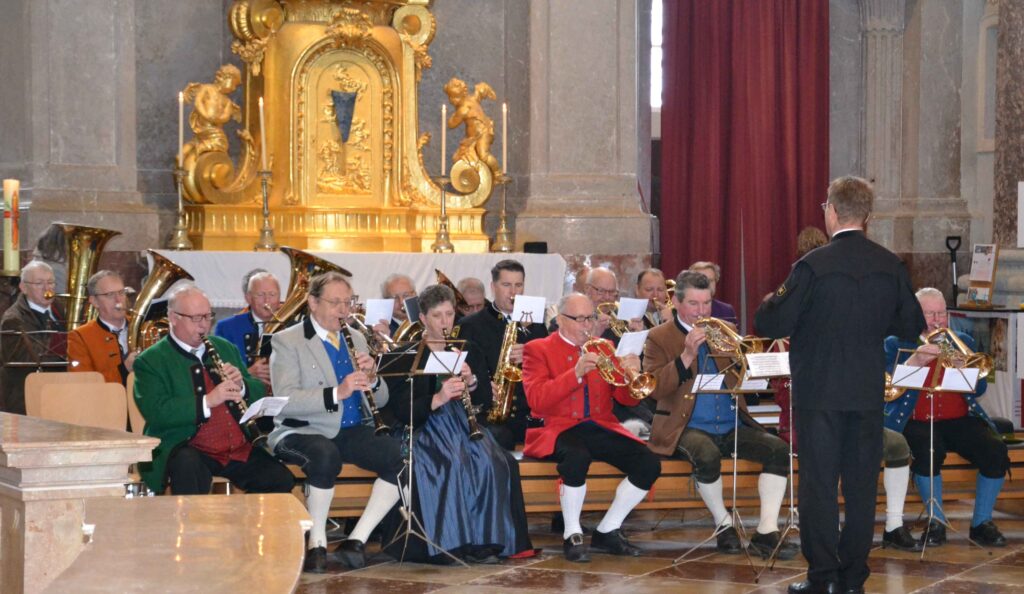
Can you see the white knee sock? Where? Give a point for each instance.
(896, 481)
(711, 493)
(627, 496)
(383, 497)
(571, 499)
(772, 489)
(318, 502)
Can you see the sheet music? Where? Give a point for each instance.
(445, 362)
(265, 407)
(763, 365)
(631, 343)
(964, 379)
(379, 309)
(910, 376)
(754, 384)
(630, 308)
(705, 381)
(528, 309)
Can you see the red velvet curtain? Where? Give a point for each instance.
(744, 137)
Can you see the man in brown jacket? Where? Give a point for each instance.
(701, 427)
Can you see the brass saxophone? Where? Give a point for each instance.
(378, 421)
(506, 376)
(249, 428)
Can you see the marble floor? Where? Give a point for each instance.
(956, 567)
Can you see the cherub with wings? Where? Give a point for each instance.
(476, 146)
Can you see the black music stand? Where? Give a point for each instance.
(38, 350)
(398, 363)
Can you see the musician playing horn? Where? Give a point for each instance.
(467, 492)
(701, 427)
(961, 426)
(566, 391)
(184, 400)
(487, 328)
(245, 330)
(102, 344)
(321, 426)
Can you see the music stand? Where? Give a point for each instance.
(928, 392)
(38, 349)
(397, 363)
(737, 367)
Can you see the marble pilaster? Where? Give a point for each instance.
(883, 26)
(1009, 162)
(587, 152)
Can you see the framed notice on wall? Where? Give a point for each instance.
(984, 259)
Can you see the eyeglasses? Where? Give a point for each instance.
(121, 293)
(935, 315)
(336, 302)
(600, 291)
(49, 283)
(582, 319)
(824, 205)
(272, 295)
(198, 318)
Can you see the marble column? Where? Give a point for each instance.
(883, 23)
(1009, 165)
(589, 152)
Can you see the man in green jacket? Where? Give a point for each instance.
(193, 407)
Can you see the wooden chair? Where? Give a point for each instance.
(90, 405)
(135, 419)
(35, 381)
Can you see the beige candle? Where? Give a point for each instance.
(444, 139)
(263, 136)
(12, 259)
(504, 138)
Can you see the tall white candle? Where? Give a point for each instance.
(12, 260)
(181, 129)
(504, 138)
(263, 136)
(444, 139)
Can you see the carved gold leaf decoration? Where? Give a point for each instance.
(251, 53)
(350, 27)
(420, 55)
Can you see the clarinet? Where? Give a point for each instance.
(378, 421)
(238, 409)
(467, 402)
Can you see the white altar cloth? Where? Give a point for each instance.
(220, 273)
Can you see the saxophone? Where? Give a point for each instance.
(506, 376)
(378, 421)
(249, 428)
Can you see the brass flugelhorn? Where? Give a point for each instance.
(641, 384)
(617, 325)
(953, 354)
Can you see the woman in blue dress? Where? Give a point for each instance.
(466, 492)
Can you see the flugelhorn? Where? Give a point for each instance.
(953, 354)
(641, 384)
(611, 309)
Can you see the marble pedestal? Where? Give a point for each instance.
(48, 471)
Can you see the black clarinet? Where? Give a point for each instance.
(467, 403)
(238, 409)
(378, 421)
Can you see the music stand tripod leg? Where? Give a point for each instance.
(793, 523)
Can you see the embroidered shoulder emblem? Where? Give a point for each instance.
(781, 291)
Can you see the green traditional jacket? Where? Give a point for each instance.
(169, 390)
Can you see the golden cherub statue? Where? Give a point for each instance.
(213, 109)
(476, 146)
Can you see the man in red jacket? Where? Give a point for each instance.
(564, 388)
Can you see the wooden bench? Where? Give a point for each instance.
(673, 490)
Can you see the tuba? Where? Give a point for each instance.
(84, 245)
(506, 376)
(142, 333)
(460, 299)
(640, 384)
(304, 267)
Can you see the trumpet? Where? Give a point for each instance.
(378, 421)
(641, 384)
(467, 403)
(238, 409)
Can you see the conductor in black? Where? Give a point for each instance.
(837, 306)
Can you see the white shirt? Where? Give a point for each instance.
(122, 335)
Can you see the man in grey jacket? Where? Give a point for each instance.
(322, 426)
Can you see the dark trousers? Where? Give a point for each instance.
(968, 436)
(321, 458)
(191, 472)
(507, 434)
(838, 446)
(705, 451)
(577, 447)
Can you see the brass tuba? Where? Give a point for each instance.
(142, 333)
(640, 384)
(84, 245)
(304, 267)
(460, 299)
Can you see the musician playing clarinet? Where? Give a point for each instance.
(466, 487)
(192, 406)
(322, 425)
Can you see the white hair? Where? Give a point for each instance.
(392, 278)
(600, 269)
(183, 291)
(565, 300)
(259, 276)
(35, 265)
(929, 292)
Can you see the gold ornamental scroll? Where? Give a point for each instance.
(340, 85)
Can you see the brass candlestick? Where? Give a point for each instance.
(503, 236)
(266, 241)
(179, 238)
(442, 241)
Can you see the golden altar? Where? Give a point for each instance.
(339, 81)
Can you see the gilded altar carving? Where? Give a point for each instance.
(340, 83)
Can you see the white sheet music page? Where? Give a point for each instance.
(764, 365)
(964, 379)
(379, 309)
(630, 308)
(264, 407)
(528, 309)
(631, 343)
(909, 376)
(445, 362)
(708, 381)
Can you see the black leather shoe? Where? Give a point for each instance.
(575, 550)
(811, 587)
(728, 542)
(900, 539)
(614, 542)
(764, 545)
(853, 590)
(935, 533)
(987, 534)
(316, 560)
(352, 553)
(486, 559)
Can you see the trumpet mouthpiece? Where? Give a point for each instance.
(49, 295)
(118, 307)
